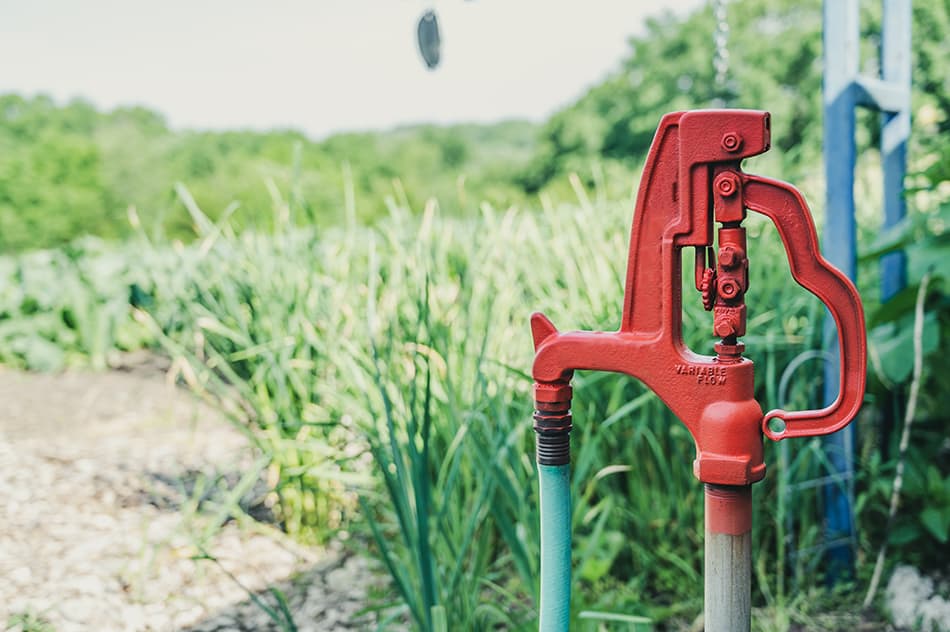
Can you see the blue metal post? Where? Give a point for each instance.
(844, 90)
(895, 130)
(841, 40)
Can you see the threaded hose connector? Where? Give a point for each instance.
(552, 427)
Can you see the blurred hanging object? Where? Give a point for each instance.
(430, 42)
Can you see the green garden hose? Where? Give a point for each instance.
(555, 547)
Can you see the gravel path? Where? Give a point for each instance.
(99, 477)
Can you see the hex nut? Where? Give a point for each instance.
(728, 288)
(731, 142)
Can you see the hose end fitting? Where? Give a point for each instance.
(552, 423)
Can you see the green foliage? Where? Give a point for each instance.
(70, 170)
(923, 523)
(404, 346)
(921, 528)
(389, 362)
(255, 331)
(372, 341)
(51, 184)
(27, 622)
(62, 307)
(775, 53)
(398, 345)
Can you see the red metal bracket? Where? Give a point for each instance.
(691, 181)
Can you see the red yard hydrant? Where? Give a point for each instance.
(692, 181)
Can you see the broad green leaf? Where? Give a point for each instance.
(928, 255)
(904, 534)
(892, 346)
(937, 522)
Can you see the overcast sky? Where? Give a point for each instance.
(317, 65)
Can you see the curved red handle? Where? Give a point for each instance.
(784, 205)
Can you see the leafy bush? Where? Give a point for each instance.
(68, 170)
(61, 307)
(923, 524)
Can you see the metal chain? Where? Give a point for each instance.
(721, 41)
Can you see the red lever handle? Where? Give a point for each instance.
(783, 204)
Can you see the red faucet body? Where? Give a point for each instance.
(691, 181)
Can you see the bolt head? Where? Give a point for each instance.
(726, 186)
(724, 327)
(731, 142)
(728, 288)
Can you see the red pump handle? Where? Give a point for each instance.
(783, 204)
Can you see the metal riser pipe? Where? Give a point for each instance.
(728, 575)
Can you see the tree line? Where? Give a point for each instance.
(69, 169)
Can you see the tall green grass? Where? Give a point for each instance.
(384, 374)
(385, 371)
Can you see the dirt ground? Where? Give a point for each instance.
(100, 476)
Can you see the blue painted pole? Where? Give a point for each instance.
(844, 90)
(895, 131)
(841, 55)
